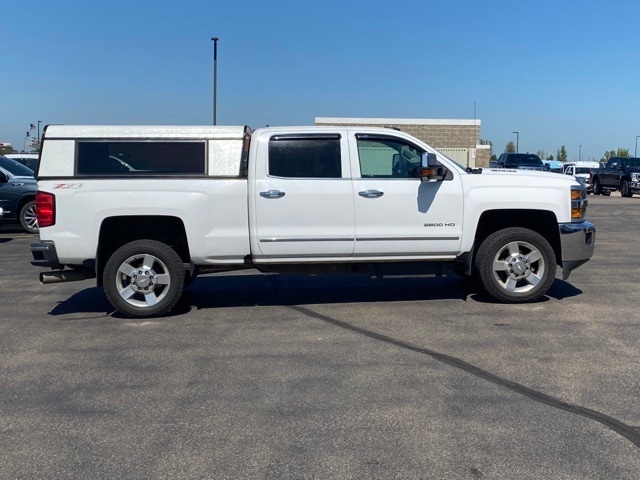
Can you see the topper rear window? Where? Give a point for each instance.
(141, 158)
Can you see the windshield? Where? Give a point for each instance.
(15, 167)
(526, 160)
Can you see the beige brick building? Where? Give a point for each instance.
(459, 139)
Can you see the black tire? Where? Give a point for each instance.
(515, 265)
(625, 191)
(28, 218)
(144, 278)
(597, 188)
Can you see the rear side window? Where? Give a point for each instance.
(305, 157)
(141, 158)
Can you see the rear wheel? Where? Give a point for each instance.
(515, 265)
(144, 278)
(28, 218)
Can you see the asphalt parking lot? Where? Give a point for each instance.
(335, 377)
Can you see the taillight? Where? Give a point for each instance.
(45, 209)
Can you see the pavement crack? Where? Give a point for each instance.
(631, 433)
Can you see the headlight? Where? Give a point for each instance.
(578, 203)
(635, 177)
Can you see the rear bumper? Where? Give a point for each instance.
(44, 254)
(577, 243)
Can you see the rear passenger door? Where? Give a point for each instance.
(302, 198)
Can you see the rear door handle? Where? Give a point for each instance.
(272, 194)
(371, 193)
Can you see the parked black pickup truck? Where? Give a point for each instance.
(521, 161)
(619, 173)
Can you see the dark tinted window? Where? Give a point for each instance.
(305, 157)
(140, 158)
(633, 162)
(525, 160)
(15, 167)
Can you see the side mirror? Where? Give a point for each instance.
(431, 170)
(3, 177)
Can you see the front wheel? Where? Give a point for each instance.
(597, 189)
(144, 278)
(625, 191)
(515, 265)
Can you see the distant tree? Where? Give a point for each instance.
(510, 148)
(541, 154)
(608, 155)
(550, 157)
(493, 158)
(622, 152)
(487, 142)
(562, 154)
(6, 148)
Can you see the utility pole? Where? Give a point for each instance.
(215, 77)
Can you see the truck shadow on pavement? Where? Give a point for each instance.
(210, 292)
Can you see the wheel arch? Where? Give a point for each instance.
(118, 231)
(543, 222)
(22, 201)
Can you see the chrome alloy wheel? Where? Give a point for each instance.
(28, 218)
(518, 267)
(143, 280)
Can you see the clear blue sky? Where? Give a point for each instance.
(559, 72)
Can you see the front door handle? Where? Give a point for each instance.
(371, 193)
(272, 194)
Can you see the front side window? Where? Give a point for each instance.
(305, 157)
(141, 158)
(388, 158)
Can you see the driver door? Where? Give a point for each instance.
(396, 214)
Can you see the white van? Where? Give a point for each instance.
(582, 170)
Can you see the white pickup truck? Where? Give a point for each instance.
(144, 209)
